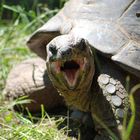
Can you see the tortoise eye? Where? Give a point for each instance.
(52, 49)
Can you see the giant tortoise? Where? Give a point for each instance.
(90, 47)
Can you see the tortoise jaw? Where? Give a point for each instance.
(70, 70)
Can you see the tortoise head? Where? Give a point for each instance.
(70, 63)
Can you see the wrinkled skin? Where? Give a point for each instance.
(79, 63)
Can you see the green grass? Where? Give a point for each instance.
(15, 126)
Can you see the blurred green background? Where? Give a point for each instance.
(29, 5)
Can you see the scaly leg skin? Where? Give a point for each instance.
(30, 78)
(117, 97)
(103, 117)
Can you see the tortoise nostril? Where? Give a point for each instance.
(138, 14)
(66, 53)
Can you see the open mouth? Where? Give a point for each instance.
(70, 69)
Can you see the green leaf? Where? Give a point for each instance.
(12, 8)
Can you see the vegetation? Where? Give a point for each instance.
(14, 126)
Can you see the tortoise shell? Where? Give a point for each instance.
(111, 27)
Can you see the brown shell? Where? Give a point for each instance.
(110, 26)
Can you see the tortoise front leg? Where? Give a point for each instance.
(30, 78)
(111, 106)
(104, 119)
(115, 93)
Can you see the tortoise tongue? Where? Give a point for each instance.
(70, 69)
(71, 76)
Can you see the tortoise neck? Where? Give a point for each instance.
(82, 98)
(79, 99)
